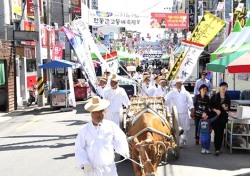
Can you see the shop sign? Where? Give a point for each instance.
(76, 8)
(31, 8)
(28, 26)
(240, 12)
(57, 52)
(44, 37)
(17, 4)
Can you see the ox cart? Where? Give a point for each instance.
(152, 131)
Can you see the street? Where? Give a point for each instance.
(40, 141)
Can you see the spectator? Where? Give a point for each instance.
(201, 81)
(220, 101)
(204, 129)
(201, 102)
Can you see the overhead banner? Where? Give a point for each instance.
(169, 20)
(192, 52)
(118, 19)
(207, 29)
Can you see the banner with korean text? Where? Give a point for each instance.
(31, 8)
(169, 20)
(192, 52)
(207, 29)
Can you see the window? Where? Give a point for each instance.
(2, 73)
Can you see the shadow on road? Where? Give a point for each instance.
(73, 122)
(35, 143)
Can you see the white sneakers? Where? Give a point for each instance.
(205, 151)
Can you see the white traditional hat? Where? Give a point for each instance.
(114, 78)
(178, 79)
(103, 79)
(96, 104)
(164, 70)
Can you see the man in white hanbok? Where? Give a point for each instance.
(162, 89)
(182, 99)
(145, 87)
(118, 98)
(102, 86)
(97, 142)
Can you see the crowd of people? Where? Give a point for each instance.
(102, 136)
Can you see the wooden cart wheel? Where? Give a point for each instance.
(175, 131)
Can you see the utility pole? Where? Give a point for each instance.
(48, 44)
(40, 84)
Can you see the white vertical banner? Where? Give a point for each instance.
(71, 96)
(191, 56)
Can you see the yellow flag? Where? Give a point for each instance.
(207, 29)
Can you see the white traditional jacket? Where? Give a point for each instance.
(95, 145)
(117, 98)
(182, 100)
(161, 92)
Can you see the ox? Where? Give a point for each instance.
(149, 138)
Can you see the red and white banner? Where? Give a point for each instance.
(44, 37)
(57, 52)
(31, 8)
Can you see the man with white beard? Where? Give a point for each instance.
(118, 98)
(183, 101)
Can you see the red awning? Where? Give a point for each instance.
(240, 65)
(109, 55)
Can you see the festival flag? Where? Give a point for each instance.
(191, 56)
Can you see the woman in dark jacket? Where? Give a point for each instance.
(201, 102)
(222, 102)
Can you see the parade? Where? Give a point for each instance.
(124, 88)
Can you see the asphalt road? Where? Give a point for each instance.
(41, 142)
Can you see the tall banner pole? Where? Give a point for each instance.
(40, 84)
